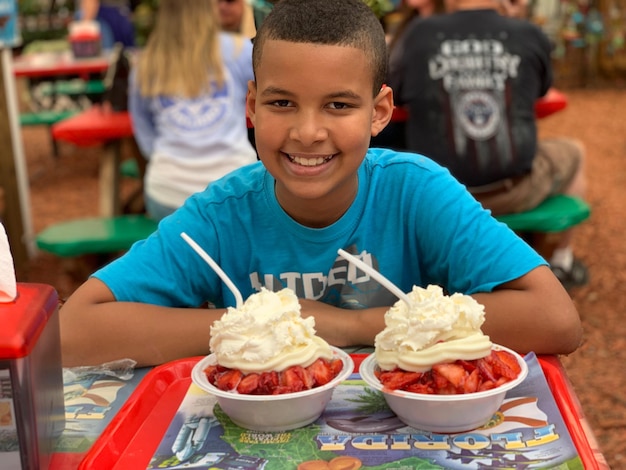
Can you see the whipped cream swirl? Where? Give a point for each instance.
(267, 334)
(436, 329)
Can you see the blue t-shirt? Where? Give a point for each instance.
(411, 220)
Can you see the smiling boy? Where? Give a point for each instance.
(317, 99)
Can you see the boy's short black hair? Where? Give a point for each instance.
(331, 22)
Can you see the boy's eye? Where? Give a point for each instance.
(338, 105)
(281, 103)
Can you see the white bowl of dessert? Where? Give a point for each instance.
(443, 413)
(278, 412)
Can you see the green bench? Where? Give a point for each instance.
(44, 118)
(130, 169)
(555, 214)
(73, 87)
(78, 87)
(95, 235)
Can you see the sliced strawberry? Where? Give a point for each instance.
(485, 369)
(305, 376)
(486, 385)
(471, 382)
(420, 387)
(249, 384)
(291, 380)
(321, 372)
(512, 366)
(439, 382)
(454, 373)
(210, 372)
(469, 366)
(399, 380)
(228, 380)
(268, 381)
(449, 389)
(336, 366)
(461, 376)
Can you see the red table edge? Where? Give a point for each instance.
(85, 135)
(117, 435)
(79, 70)
(22, 68)
(552, 102)
(572, 411)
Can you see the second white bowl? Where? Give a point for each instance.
(443, 413)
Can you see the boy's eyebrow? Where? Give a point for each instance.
(272, 90)
(345, 94)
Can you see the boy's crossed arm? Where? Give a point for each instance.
(531, 313)
(96, 329)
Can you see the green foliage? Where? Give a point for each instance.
(380, 7)
(370, 402)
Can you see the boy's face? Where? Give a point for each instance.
(314, 115)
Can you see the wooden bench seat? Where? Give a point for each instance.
(95, 235)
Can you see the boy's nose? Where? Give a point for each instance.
(308, 128)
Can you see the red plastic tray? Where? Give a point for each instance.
(132, 437)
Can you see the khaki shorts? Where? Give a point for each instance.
(554, 167)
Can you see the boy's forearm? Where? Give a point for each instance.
(342, 327)
(93, 333)
(147, 334)
(532, 314)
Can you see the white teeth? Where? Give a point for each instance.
(309, 161)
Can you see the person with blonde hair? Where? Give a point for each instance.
(187, 102)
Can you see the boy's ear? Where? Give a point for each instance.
(383, 109)
(251, 101)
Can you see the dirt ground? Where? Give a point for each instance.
(66, 187)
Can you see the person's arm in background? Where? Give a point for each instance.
(89, 9)
(141, 118)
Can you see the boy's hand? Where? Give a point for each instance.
(342, 327)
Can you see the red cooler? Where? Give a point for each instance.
(32, 414)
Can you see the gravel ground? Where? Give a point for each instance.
(66, 187)
(597, 118)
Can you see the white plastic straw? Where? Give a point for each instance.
(376, 275)
(205, 256)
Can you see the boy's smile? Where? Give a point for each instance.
(314, 115)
